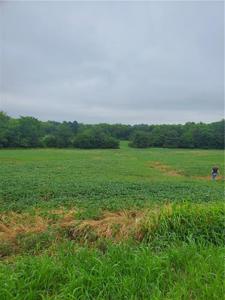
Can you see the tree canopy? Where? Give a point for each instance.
(29, 132)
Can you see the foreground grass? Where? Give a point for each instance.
(175, 251)
(122, 272)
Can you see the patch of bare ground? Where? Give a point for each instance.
(165, 169)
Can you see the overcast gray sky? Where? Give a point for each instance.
(127, 62)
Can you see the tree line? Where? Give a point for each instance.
(29, 132)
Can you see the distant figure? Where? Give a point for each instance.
(215, 172)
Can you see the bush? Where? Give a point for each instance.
(49, 140)
(140, 140)
(92, 139)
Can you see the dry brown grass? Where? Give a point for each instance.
(165, 169)
(12, 224)
(116, 225)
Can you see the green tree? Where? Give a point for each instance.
(172, 139)
(92, 139)
(29, 130)
(4, 127)
(140, 139)
(49, 140)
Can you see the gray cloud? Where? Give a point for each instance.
(129, 62)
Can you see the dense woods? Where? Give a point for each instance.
(29, 132)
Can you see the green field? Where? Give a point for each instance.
(111, 224)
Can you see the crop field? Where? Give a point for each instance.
(111, 224)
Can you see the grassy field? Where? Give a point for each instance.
(111, 224)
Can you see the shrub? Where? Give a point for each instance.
(49, 140)
(140, 140)
(93, 139)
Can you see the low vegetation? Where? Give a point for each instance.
(111, 224)
(122, 272)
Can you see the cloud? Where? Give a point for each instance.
(128, 62)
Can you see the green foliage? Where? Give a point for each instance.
(28, 132)
(33, 243)
(49, 141)
(172, 139)
(203, 223)
(4, 124)
(6, 249)
(122, 272)
(190, 135)
(93, 139)
(140, 139)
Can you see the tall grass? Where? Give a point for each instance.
(123, 272)
(203, 223)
